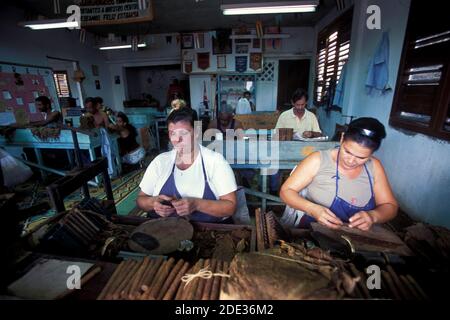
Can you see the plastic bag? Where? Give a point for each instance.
(14, 171)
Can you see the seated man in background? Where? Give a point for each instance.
(248, 96)
(51, 118)
(225, 120)
(303, 122)
(100, 118)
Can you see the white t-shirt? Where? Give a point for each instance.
(243, 106)
(190, 182)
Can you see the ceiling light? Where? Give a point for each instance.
(125, 46)
(50, 24)
(270, 7)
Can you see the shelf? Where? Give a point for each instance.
(265, 36)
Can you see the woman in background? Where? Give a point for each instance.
(130, 151)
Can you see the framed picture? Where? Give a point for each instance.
(256, 43)
(117, 79)
(242, 40)
(97, 85)
(221, 61)
(222, 44)
(241, 48)
(95, 70)
(187, 41)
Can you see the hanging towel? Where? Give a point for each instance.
(338, 99)
(109, 151)
(378, 74)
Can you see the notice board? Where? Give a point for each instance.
(20, 85)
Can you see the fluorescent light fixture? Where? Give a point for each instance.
(50, 24)
(270, 7)
(125, 46)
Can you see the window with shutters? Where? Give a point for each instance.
(333, 48)
(62, 84)
(422, 96)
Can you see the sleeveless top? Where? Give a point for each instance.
(322, 189)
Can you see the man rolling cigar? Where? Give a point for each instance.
(189, 180)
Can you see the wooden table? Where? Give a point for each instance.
(24, 138)
(267, 157)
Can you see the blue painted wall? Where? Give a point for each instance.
(418, 166)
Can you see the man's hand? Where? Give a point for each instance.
(185, 206)
(307, 134)
(161, 209)
(326, 217)
(361, 220)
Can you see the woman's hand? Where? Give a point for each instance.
(185, 206)
(162, 209)
(361, 220)
(326, 217)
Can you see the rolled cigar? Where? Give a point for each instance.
(149, 278)
(125, 280)
(150, 272)
(118, 279)
(171, 277)
(224, 280)
(138, 279)
(126, 290)
(194, 283)
(259, 232)
(208, 285)
(87, 220)
(417, 287)
(176, 282)
(110, 281)
(390, 284)
(216, 282)
(76, 225)
(76, 234)
(83, 224)
(202, 282)
(361, 283)
(188, 289)
(404, 293)
(160, 278)
(88, 276)
(356, 292)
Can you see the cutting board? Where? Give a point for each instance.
(378, 238)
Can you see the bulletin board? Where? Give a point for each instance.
(20, 85)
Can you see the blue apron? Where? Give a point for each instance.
(169, 189)
(341, 208)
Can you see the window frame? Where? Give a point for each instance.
(58, 89)
(343, 25)
(441, 99)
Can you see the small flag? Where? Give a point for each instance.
(82, 35)
(259, 29)
(134, 43)
(56, 7)
(205, 95)
(142, 4)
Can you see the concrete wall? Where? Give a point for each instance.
(23, 45)
(418, 166)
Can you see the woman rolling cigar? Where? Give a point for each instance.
(189, 180)
(343, 185)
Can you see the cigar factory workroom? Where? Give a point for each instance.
(200, 150)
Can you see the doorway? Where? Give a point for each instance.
(292, 74)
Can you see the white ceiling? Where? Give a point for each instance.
(187, 15)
